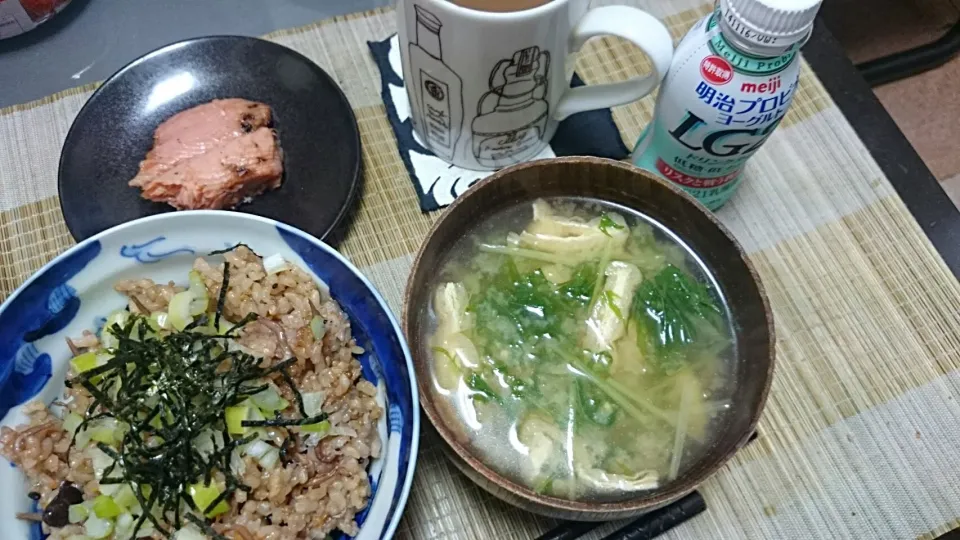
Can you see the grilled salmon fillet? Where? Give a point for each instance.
(212, 156)
(223, 175)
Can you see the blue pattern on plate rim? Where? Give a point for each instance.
(142, 253)
(36, 532)
(369, 369)
(98, 324)
(44, 306)
(352, 293)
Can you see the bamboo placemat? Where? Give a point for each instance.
(860, 435)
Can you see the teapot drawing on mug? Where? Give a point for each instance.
(512, 115)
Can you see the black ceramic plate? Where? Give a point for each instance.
(114, 131)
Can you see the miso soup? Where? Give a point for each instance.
(583, 348)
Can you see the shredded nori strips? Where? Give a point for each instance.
(232, 248)
(171, 389)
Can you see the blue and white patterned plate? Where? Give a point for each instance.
(74, 291)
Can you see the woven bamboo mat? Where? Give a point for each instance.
(860, 435)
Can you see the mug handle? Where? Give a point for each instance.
(638, 27)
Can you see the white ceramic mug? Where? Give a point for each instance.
(487, 89)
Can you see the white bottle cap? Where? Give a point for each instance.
(769, 23)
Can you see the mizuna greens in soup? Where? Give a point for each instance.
(584, 354)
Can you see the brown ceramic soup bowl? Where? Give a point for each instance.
(629, 187)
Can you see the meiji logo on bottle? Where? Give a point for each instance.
(716, 70)
(769, 87)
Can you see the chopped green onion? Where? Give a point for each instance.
(269, 400)
(71, 422)
(197, 286)
(77, 513)
(123, 526)
(224, 327)
(104, 435)
(179, 310)
(319, 427)
(275, 263)
(237, 466)
(84, 362)
(117, 318)
(313, 403)
(126, 498)
(159, 320)
(105, 507)
(96, 527)
(270, 459)
(208, 441)
(234, 417)
(318, 328)
(107, 430)
(200, 301)
(100, 460)
(204, 495)
(257, 449)
(266, 454)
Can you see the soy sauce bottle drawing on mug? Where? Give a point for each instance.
(512, 116)
(436, 88)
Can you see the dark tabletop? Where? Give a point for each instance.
(914, 182)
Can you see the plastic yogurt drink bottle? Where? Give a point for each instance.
(732, 79)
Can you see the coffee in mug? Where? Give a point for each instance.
(499, 5)
(487, 81)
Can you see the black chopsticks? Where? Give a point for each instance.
(647, 526)
(570, 530)
(662, 520)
